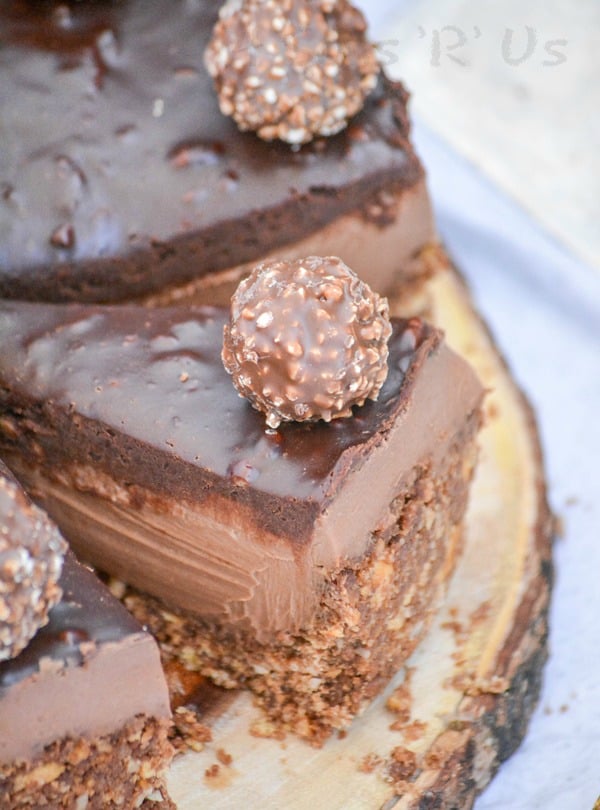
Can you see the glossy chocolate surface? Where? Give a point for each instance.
(119, 175)
(87, 617)
(155, 376)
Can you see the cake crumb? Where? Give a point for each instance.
(400, 701)
(456, 628)
(187, 732)
(433, 760)
(219, 775)
(496, 685)
(403, 764)
(414, 731)
(480, 614)
(223, 757)
(267, 729)
(369, 763)
(469, 684)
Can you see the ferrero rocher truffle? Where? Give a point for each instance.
(291, 69)
(306, 340)
(31, 558)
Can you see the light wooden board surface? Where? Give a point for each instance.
(456, 683)
(544, 308)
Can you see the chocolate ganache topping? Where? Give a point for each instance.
(85, 618)
(153, 378)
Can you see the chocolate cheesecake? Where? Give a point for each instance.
(84, 709)
(302, 562)
(120, 178)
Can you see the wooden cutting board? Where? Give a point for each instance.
(462, 703)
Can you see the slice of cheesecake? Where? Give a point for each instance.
(120, 178)
(84, 708)
(303, 562)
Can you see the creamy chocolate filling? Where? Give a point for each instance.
(136, 428)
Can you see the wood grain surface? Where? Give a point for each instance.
(460, 707)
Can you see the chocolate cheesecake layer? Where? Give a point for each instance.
(121, 179)
(87, 673)
(127, 424)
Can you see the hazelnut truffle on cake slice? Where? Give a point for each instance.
(303, 562)
(307, 340)
(84, 708)
(289, 69)
(31, 559)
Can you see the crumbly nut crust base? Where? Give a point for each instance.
(371, 617)
(125, 770)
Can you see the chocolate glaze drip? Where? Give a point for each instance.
(118, 173)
